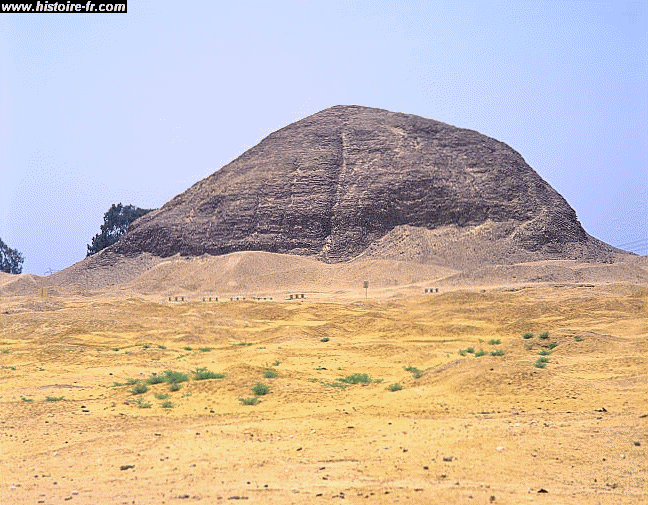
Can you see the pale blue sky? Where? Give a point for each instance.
(135, 108)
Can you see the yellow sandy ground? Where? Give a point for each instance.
(466, 429)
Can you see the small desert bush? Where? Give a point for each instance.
(139, 389)
(480, 353)
(356, 378)
(201, 374)
(498, 352)
(544, 352)
(544, 335)
(142, 404)
(173, 377)
(415, 371)
(174, 386)
(528, 347)
(339, 385)
(160, 346)
(276, 363)
(270, 374)
(243, 344)
(205, 349)
(27, 399)
(146, 346)
(527, 336)
(260, 389)
(168, 404)
(325, 339)
(494, 341)
(161, 396)
(394, 387)
(249, 401)
(578, 339)
(155, 379)
(53, 398)
(132, 382)
(553, 345)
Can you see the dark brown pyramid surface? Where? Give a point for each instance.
(338, 181)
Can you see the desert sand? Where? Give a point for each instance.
(471, 420)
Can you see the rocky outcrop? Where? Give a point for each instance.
(334, 184)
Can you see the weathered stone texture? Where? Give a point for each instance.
(335, 182)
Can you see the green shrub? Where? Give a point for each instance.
(155, 379)
(527, 336)
(139, 389)
(498, 352)
(540, 364)
(142, 404)
(260, 389)
(146, 346)
(205, 349)
(201, 374)
(276, 363)
(270, 374)
(161, 396)
(174, 386)
(160, 346)
(578, 339)
(53, 398)
(544, 335)
(173, 377)
(249, 401)
(544, 352)
(415, 371)
(325, 339)
(462, 352)
(470, 350)
(480, 353)
(395, 387)
(187, 348)
(553, 345)
(131, 382)
(494, 341)
(543, 359)
(168, 404)
(356, 378)
(337, 385)
(528, 347)
(26, 399)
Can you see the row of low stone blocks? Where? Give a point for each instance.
(431, 290)
(215, 298)
(296, 297)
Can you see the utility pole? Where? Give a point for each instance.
(366, 286)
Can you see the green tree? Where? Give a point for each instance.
(10, 260)
(116, 222)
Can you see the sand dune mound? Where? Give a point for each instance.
(264, 273)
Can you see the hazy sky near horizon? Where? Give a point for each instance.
(135, 108)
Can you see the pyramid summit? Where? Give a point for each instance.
(352, 180)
